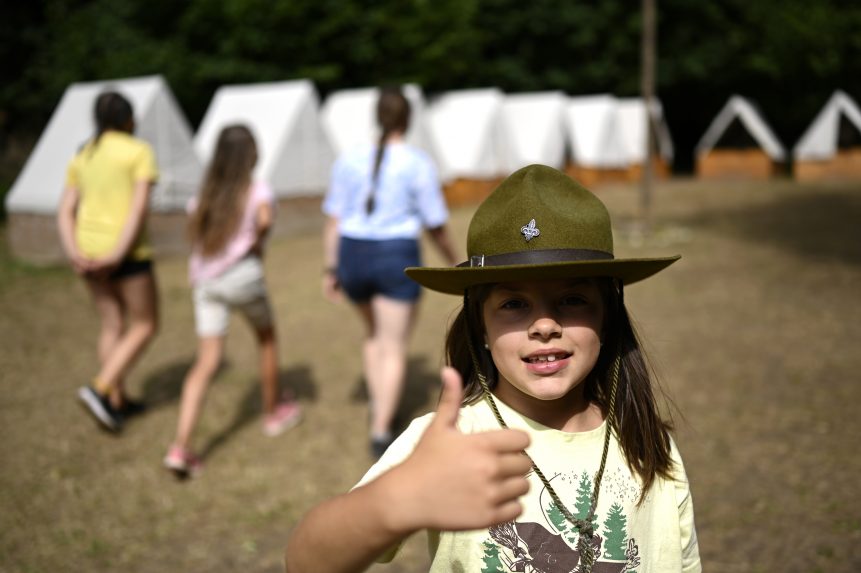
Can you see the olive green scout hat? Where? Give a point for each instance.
(539, 224)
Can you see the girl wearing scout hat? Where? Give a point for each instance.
(543, 361)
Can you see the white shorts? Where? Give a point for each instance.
(241, 287)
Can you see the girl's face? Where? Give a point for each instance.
(544, 337)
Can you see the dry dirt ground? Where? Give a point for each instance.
(755, 333)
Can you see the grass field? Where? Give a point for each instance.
(755, 333)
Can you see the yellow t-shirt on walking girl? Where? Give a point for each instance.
(105, 173)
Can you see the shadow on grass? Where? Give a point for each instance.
(165, 385)
(420, 392)
(821, 224)
(297, 381)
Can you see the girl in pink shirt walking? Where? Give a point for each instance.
(229, 223)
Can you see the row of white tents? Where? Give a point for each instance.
(830, 148)
(471, 134)
(476, 137)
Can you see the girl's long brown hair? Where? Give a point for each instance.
(393, 115)
(111, 111)
(643, 434)
(224, 190)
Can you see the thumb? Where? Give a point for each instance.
(450, 399)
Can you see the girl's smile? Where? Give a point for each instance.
(548, 361)
(545, 338)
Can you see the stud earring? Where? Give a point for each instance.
(486, 346)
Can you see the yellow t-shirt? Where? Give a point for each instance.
(656, 536)
(105, 175)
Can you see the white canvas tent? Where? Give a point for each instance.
(349, 117)
(739, 108)
(294, 156)
(598, 150)
(465, 134)
(592, 124)
(632, 123)
(467, 141)
(159, 121)
(831, 146)
(759, 160)
(534, 130)
(33, 200)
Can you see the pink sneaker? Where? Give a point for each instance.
(285, 416)
(182, 462)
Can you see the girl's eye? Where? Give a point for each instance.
(513, 304)
(573, 300)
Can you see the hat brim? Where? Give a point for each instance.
(455, 280)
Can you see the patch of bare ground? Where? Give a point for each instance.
(755, 334)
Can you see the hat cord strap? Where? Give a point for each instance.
(585, 527)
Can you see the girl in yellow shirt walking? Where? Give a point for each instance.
(102, 228)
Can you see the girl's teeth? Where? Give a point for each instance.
(548, 358)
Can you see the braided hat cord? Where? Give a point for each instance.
(585, 527)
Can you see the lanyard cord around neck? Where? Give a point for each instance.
(585, 528)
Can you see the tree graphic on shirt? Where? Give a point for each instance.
(557, 518)
(492, 563)
(615, 534)
(584, 497)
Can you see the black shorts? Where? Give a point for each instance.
(130, 267)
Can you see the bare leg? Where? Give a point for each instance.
(268, 368)
(386, 359)
(138, 296)
(194, 387)
(109, 307)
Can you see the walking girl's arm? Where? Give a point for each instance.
(331, 238)
(66, 216)
(442, 240)
(263, 224)
(451, 481)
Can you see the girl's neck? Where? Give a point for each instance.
(571, 413)
(395, 137)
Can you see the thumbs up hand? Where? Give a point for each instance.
(456, 481)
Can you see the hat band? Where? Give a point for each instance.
(539, 257)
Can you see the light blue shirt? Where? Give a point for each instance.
(407, 198)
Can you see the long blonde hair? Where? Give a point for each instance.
(224, 190)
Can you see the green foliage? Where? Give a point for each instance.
(706, 51)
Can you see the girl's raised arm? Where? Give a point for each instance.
(452, 481)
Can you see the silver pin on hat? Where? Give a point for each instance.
(530, 231)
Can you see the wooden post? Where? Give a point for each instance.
(647, 87)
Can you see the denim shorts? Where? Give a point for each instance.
(369, 268)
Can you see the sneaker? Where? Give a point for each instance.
(182, 462)
(132, 407)
(285, 416)
(100, 407)
(379, 445)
